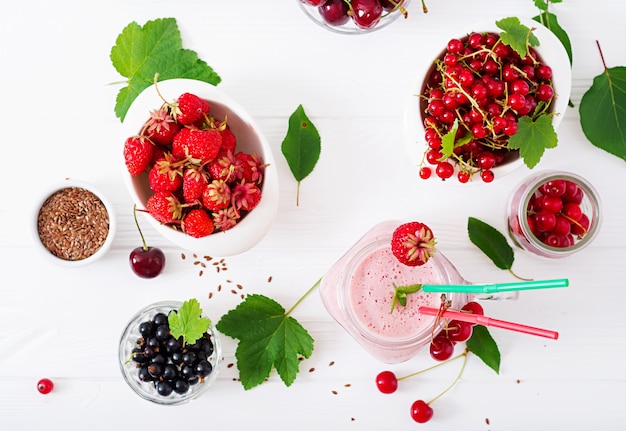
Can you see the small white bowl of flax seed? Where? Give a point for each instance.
(74, 224)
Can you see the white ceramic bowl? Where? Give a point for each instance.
(71, 248)
(251, 228)
(551, 52)
(350, 27)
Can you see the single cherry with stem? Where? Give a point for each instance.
(146, 262)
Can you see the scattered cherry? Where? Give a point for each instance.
(146, 262)
(45, 386)
(387, 382)
(421, 411)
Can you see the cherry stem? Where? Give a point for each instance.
(304, 296)
(458, 376)
(518, 277)
(433, 367)
(145, 246)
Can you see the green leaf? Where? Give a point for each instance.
(603, 111)
(518, 36)
(550, 21)
(188, 322)
(301, 146)
(541, 4)
(268, 338)
(141, 52)
(400, 293)
(533, 137)
(491, 242)
(482, 344)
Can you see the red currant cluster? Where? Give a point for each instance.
(481, 86)
(441, 349)
(554, 213)
(365, 14)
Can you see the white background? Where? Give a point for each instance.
(58, 122)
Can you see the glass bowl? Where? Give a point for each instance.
(345, 24)
(554, 214)
(133, 370)
(73, 223)
(550, 51)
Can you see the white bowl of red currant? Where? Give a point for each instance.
(199, 167)
(481, 109)
(354, 16)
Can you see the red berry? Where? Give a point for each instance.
(473, 307)
(413, 243)
(425, 172)
(386, 382)
(572, 211)
(441, 348)
(421, 412)
(553, 188)
(444, 170)
(487, 175)
(463, 176)
(45, 386)
(458, 331)
(545, 220)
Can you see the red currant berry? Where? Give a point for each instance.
(511, 128)
(501, 50)
(545, 92)
(444, 170)
(441, 348)
(520, 86)
(425, 172)
(486, 160)
(421, 412)
(45, 386)
(386, 382)
(475, 40)
(487, 175)
(433, 156)
(455, 46)
(517, 101)
(543, 72)
(478, 131)
(463, 176)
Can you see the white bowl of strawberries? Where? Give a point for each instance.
(489, 103)
(199, 167)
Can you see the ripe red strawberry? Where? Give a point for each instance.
(413, 243)
(194, 183)
(248, 167)
(190, 109)
(200, 144)
(165, 176)
(226, 218)
(245, 196)
(197, 223)
(164, 207)
(229, 141)
(161, 127)
(138, 152)
(222, 167)
(216, 195)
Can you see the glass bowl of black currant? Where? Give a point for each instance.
(162, 368)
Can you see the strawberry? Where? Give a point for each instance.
(138, 151)
(197, 223)
(194, 183)
(226, 218)
(165, 175)
(164, 207)
(248, 167)
(413, 243)
(161, 127)
(200, 144)
(222, 167)
(216, 195)
(229, 141)
(245, 196)
(190, 109)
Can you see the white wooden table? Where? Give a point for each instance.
(58, 122)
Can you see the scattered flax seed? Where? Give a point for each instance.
(334, 392)
(233, 291)
(197, 262)
(487, 421)
(347, 385)
(182, 256)
(243, 296)
(230, 365)
(331, 363)
(207, 258)
(73, 223)
(219, 288)
(269, 279)
(195, 256)
(229, 281)
(210, 295)
(352, 419)
(202, 264)
(200, 273)
(518, 381)
(239, 286)
(311, 369)
(216, 263)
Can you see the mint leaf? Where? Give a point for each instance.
(268, 338)
(187, 322)
(141, 52)
(532, 138)
(518, 36)
(491, 242)
(603, 111)
(482, 344)
(400, 293)
(301, 146)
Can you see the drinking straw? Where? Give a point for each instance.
(488, 321)
(496, 287)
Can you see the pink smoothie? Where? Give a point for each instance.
(371, 294)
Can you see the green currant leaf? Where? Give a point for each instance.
(550, 21)
(268, 338)
(541, 4)
(301, 146)
(491, 242)
(187, 322)
(517, 35)
(532, 138)
(603, 111)
(482, 344)
(447, 140)
(141, 52)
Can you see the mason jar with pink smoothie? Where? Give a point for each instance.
(358, 292)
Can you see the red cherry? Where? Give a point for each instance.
(146, 262)
(45, 386)
(421, 412)
(458, 331)
(386, 382)
(441, 348)
(473, 307)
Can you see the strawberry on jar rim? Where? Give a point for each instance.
(413, 243)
